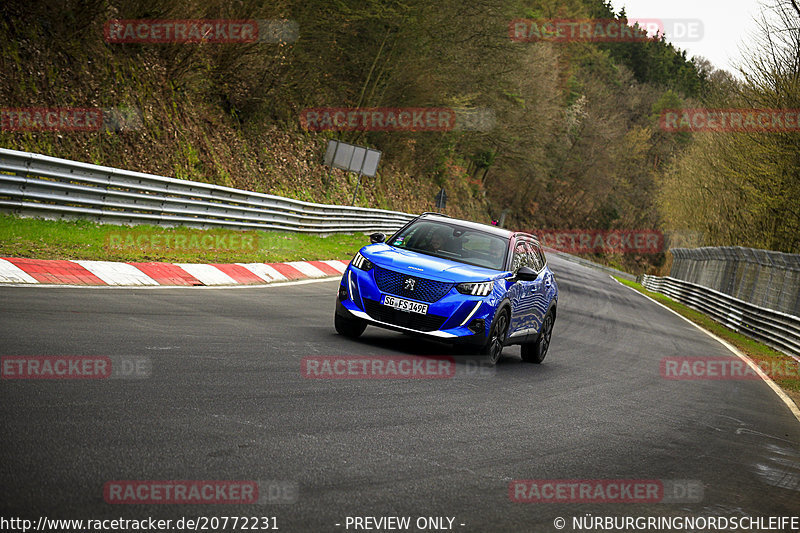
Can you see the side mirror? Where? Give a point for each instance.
(377, 237)
(526, 274)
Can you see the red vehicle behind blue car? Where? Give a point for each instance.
(453, 281)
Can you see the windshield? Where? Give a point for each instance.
(457, 243)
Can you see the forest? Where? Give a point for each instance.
(573, 140)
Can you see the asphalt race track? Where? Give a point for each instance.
(226, 400)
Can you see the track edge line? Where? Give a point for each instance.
(772, 385)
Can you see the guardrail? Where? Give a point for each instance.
(762, 277)
(776, 329)
(38, 185)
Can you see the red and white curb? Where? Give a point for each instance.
(77, 272)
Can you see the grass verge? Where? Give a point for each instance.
(753, 349)
(59, 239)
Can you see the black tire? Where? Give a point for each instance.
(352, 328)
(493, 349)
(535, 352)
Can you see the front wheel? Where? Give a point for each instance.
(352, 328)
(535, 352)
(497, 338)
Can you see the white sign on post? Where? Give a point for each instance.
(371, 160)
(352, 158)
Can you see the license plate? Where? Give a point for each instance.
(405, 305)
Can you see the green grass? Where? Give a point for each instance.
(58, 239)
(755, 350)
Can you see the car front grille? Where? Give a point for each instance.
(425, 290)
(405, 319)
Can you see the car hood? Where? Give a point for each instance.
(428, 266)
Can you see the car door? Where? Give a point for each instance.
(549, 280)
(521, 293)
(541, 289)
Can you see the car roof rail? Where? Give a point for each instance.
(434, 213)
(527, 234)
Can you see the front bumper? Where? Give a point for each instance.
(454, 319)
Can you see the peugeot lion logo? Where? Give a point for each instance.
(410, 284)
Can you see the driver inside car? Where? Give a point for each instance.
(437, 241)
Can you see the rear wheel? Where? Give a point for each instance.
(535, 352)
(497, 338)
(352, 328)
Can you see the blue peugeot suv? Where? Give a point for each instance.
(454, 281)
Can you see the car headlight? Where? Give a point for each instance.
(476, 289)
(361, 262)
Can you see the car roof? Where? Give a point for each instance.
(502, 232)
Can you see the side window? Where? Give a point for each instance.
(521, 256)
(540, 253)
(536, 262)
